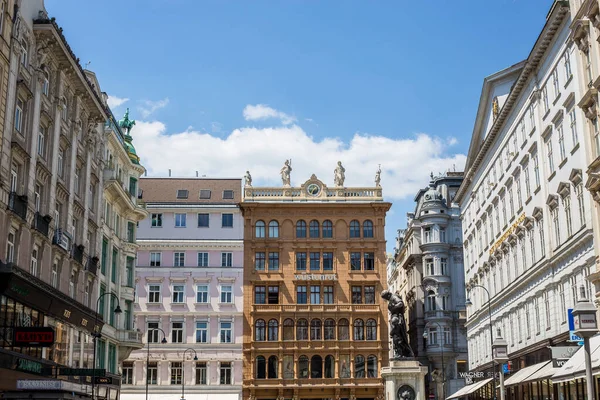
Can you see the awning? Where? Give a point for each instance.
(469, 389)
(523, 374)
(188, 396)
(575, 367)
(543, 373)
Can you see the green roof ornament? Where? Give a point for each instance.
(126, 123)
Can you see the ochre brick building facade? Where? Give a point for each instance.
(315, 326)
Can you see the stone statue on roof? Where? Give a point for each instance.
(126, 123)
(378, 177)
(247, 179)
(286, 172)
(339, 174)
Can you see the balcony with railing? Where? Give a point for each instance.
(92, 265)
(42, 223)
(78, 253)
(129, 340)
(18, 204)
(299, 308)
(62, 239)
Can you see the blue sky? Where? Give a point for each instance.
(367, 82)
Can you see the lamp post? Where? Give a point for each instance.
(163, 341)
(442, 347)
(500, 355)
(98, 335)
(586, 326)
(468, 303)
(183, 371)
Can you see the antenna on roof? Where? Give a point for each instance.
(196, 174)
(86, 65)
(146, 173)
(169, 172)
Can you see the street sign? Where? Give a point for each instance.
(572, 336)
(81, 372)
(505, 368)
(33, 336)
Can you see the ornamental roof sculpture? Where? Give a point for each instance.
(126, 125)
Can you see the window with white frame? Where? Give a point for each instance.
(561, 142)
(45, 83)
(536, 313)
(568, 72)
(41, 143)
(155, 258)
(203, 259)
(10, 247)
(201, 331)
(177, 332)
(226, 294)
(527, 182)
(176, 372)
(573, 126)
(202, 294)
(556, 226)
(152, 373)
(127, 375)
(432, 336)
(555, 83)
(569, 221)
(444, 265)
(37, 197)
(178, 294)
(225, 330)
(76, 179)
(225, 373)
(153, 331)
(180, 220)
(447, 335)
(430, 266)
(545, 99)
(72, 283)
(2, 11)
(19, 115)
(60, 163)
(54, 275)
(227, 220)
(580, 203)
(201, 373)
(24, 53)
(34, 261)
(154, 293)
(156, 220)
(536, 170)
(179, 259)
(226, 259)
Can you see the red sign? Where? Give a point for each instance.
(33, 337)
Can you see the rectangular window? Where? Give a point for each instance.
(556, 226)
(561, 142)
(536, 170)
(176, 371)
(152, 373)
(226, 259)
(301, 294)
(127, 376)
(203, 220)
(273, 261)
(573, 125)
(567, 206)
(227, 194)
(202, 294)
(19, 116)
(156, 220)
(355, 261)
(327, 294)
(176, 332)
(327, 261)
(568, 72)
(429, 266)
(153, 293)
(203, 259)
(54, 276)
(369, 294)
(369, 261)
(225, 373)
(205, 194)
(260, 295)
(41, 144)
(178, 294)
(315, 294)
(273, 295)
(201, 376)
(301, 261)
(356, 294)
(180, 220)
(60, 163)
(179, 259)
(225, 331)
(155, 259)
(580, 203)
(555, 83)
(202, 332)
(227, 220)
(182, 194)
(315, 261)
(259, 261)
(545, 99)
(226, 294)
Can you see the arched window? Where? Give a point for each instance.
(303, 367)
(301, 229)
(431, 303)
(327, 229)
(368, 229)
(302, 329)
(259, 230)
(313, 231)
(261, 368)
(354, 229)
(272, 367)
(273, 333)
(288, 329)
(329, 329)
(343, 329)
(315, 329)
(259, 330)
(372, 366)
(273, 229)
(329, 367)
(371, 329)
(359, 366)
(316, 367)
(359, 329)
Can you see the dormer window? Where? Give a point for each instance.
(205, 194)
(227, 194)
(183, 194)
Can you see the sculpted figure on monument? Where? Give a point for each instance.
(398, 334)
(378, 177)
(339, 175)
(285, 173)
(247, 179)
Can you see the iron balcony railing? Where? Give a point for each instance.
(18, 204)
(92, 265)
(78, 253)
(41, 223)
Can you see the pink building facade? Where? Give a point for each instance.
(189, 291)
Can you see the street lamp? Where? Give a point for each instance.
(586, 326)
(442, 347)
(500, 356)
(98, 335)
(468, 303)
(183, 370)
(163, 341)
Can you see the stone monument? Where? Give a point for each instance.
(404, 377)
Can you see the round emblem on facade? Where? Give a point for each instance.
(406, 392)
(313, 189)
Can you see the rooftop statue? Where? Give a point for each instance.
(339, 175)
(247, 179)
(285, 172)
(378, 177)
(126, 123)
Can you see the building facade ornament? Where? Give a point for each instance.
(339, 175)
(285, 172)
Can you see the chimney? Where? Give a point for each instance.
(169, 172)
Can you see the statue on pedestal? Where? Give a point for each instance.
(285, 172)
(247, 179)
(378, 177)
(398, 334)
(339, 175)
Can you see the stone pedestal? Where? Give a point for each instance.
(401, 373)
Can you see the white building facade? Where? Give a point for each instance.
(526, 220)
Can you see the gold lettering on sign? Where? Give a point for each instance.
(67, 314)
(84, 322)
(506, 234)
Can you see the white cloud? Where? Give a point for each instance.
(114, 101)
(262, 111)
(148, 107)
(405, 162)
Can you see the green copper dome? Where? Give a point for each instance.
(126, 125)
